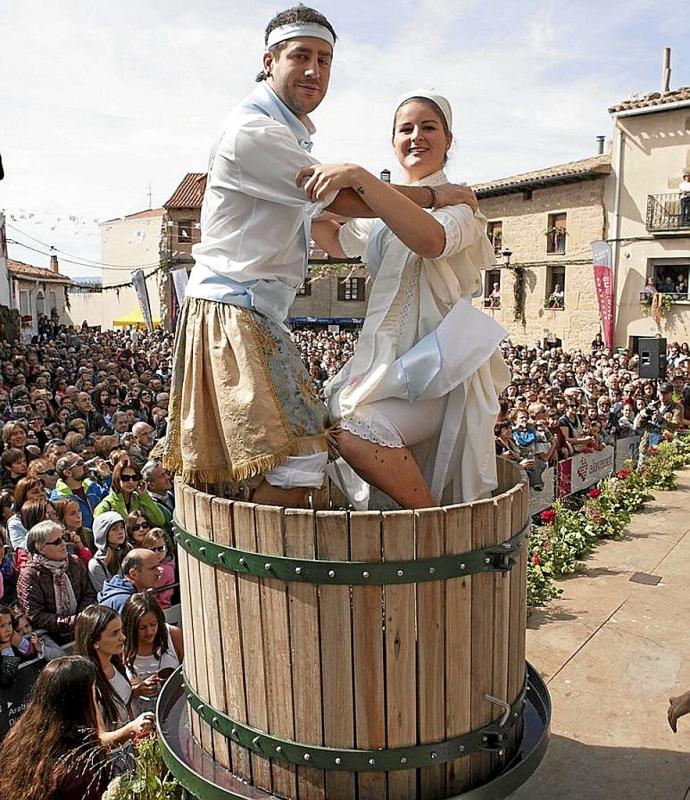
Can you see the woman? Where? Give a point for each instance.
(137, 527)
(127, 493)
(80, 541)
(53, 586)
(27, 489)
(408, 398)
(98, 636)
(53, 752)
(110, 539)
(157, 541)
(152, 648)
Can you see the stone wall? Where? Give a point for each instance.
(524, 222)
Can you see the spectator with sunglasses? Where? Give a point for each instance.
(44, 469)
(128, 493)
(53, 586)
(137, 527)
(157, 541)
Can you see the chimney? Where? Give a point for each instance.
(666, 75)
(54, 264)
(600, 145)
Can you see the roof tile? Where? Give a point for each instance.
(561, 173)
(652, 99)
(22, 270)
(189, 193)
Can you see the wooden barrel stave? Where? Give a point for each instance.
(319, 667)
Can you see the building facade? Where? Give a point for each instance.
(37, 291)
(545, 220)
(649, 217)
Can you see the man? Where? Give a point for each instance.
(244, 410)
(661, 416)
(684, 190)
(83, 409)
(139, 572)
(159, 486)
(143, 443)
(72, 484)
(120, 422)
(55, 449)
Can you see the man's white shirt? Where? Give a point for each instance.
(255, 221)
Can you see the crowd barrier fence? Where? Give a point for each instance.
(582, 471)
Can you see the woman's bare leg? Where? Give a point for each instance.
(393, 470)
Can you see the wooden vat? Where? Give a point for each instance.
(335, 654)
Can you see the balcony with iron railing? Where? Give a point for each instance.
(668, 212)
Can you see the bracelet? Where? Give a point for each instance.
(432, 192)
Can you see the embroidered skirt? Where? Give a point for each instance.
(241, 401)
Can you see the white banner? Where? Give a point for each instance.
(583, 470)
(139, 283)
(180, 278)
(627, 448)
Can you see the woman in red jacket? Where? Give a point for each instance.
(53, 586)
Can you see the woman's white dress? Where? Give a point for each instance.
(426, 372)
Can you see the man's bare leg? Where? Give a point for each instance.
(268, 495)
(393, 470)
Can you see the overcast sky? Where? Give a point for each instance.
(99, 100)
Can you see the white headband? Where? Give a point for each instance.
(299, 30)
(428, 94)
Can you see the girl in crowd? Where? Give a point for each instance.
(153, 649)
(80, 542)
(110, 541)
(27, 489)
(426, 370)
(99, 637)
(127, 493)
(157, 540)
(137, 527)
(53, 752)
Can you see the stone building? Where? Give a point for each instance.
(36, 291)
(546, 219)
(648, 217)
(332, 294)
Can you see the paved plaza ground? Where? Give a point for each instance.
(612, 651)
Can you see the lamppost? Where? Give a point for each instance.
(506, 255)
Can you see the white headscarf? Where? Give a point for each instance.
(428, 94)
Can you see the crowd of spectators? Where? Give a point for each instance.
(559, 402)
(86, 507)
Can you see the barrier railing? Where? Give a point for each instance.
(582, 471)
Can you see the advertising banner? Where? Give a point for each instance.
(583, 470)
(603, 280)
(139, 283)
